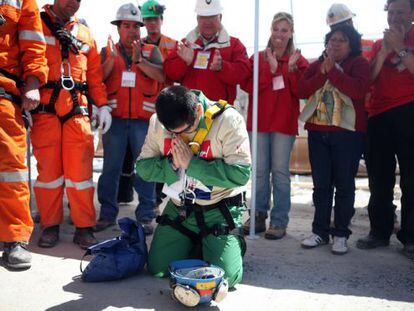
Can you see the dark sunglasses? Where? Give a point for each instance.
(186, 130)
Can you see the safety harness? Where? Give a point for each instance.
(68, 42)
(19, 83)
(11, 97)
(211, 113)
(188, 205)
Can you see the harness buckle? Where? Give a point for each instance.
(187, 197)
(66, 79)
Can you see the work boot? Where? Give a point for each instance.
(49, 237)
(84, 237)
(260, 224)
(274, 233)
(148, 227)
(16, 255)
(371, 241)
(102, 224)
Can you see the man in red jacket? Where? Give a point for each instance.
(209, 59)
(390, 129)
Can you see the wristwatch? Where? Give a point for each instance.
(403, 53)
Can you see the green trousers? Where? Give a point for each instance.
(224, 251)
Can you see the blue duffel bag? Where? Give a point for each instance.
(117, 258)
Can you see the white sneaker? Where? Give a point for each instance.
(339, 246)
(313, 241)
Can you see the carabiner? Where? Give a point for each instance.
(66, 80)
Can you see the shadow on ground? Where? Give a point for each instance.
(278, 265)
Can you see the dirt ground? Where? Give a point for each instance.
(279, 275)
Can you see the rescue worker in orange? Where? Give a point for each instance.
(61, 136)
(132, 71)
(23, 70)
(152, 15)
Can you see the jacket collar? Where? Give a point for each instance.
(222, 40)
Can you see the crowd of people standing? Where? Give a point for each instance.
(359, 101)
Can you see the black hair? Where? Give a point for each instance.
(176, 106)
(391, 1)
(354, 38)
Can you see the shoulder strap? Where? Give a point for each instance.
(48, 21)
(11, 76)
(66, 39)
(210, 114)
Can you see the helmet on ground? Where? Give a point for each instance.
(196, 282)
(208, 7)
(152, 8)
(338, 13)
(128, 12)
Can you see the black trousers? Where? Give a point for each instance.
(391, 138)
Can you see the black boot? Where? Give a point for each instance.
(84, 237)
(16, 255)
(49, 237)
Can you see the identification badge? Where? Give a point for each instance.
(202, 60)
(278, 83)
(128, 79)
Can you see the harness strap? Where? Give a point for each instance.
(67, 42)
(11, 97)
(50, 108)
(199, 211)
(164, 220)
(211, 113)
(8, 75)
(199, 216)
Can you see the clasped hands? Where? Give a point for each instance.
(181, 153)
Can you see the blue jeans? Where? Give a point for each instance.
(123, 131)
(273, 158)
(334, 159)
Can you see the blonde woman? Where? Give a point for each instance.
(280, 67)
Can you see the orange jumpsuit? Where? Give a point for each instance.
(22, 54)
(166, 45)
(64, 150)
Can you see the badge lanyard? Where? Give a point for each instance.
(128, 77)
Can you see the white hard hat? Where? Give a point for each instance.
(128, 12)
(338, 13)
(208, 7)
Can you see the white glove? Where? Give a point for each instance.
(105, 118)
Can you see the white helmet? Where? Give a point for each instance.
(128, 12)
(208, 7)
(338, 13)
